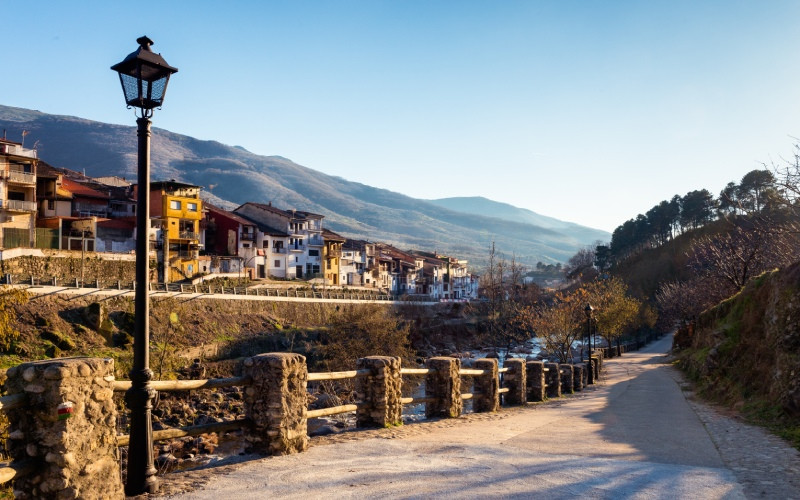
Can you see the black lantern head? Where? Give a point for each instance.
(144, 76)
(588, 310)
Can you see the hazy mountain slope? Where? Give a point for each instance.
(236, 175)
(483, 206)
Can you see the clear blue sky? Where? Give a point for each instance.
(587, 111)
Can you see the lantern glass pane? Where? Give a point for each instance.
(130, 87)
(157, 89)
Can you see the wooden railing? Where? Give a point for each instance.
(19, 401)
(186, 385)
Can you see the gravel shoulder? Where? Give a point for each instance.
(637, 434)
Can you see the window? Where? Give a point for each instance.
(174, 205)
(277, 263)
(51, 204)
(192, 207)
(313, 253)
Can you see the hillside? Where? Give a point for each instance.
(744, 352)
(478, 205)
(233, 175)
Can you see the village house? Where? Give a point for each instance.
(17, 195)
(76, 212)
(431, 283)
(304, 230)
(332, 255)
(255, 249)
(177, 209)
(458, 282)
(354, 262)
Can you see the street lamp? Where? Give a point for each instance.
(588, 311)
(144, 76)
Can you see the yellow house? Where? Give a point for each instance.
(331, 255)
(179, 208)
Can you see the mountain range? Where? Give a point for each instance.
(231, 175)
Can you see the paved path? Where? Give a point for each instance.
(634, 435)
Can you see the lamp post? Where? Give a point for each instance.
(588, 311)
(144, 76)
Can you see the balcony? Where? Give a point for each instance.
(248, 236)
(316, 242)
(277, 250)
(19, 206)
(17, 150)
(21, 178)
(334, 252)
(188, 235)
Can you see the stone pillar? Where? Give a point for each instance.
(487, 387)
(578, 372)
(276, 403)
(515, 380)
(67, 428)
(380, 392)
(567, 375)
(553, 380)
(536, 381)
(445, 386)
(590, 370)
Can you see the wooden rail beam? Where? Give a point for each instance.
(194, 430)
(12, 401)
(186, 385)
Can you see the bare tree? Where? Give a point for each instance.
(751, 247)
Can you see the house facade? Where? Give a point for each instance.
(177, 209)
(304, 229)
(332, 256)
(17, 195)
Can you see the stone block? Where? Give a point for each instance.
(380, 392)
(536, 384)
(276, 403)
(567, 378)
(553, 380)
(486, 387)
(515, 380)
(578, 372)
(444, 385)
(67, 427)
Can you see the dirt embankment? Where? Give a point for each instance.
(746, 351)
(216, 330)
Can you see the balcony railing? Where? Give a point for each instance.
(188, 235)
(13, 149)
(21, 206)
(248, 236)
(21, 177)
(317, 242)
